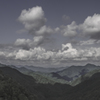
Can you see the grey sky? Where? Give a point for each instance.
(49, 32)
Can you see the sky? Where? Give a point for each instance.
(50, 33)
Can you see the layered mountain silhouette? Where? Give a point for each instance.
(15, 85)
(38, 91)
(60, 75)
(10, 87)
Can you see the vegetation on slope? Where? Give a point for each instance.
(84, 77)
(11, 90)
(17, 86)
(39, 91)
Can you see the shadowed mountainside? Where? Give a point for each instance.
(12, 90)
(12, 80)
(65, 76)
(40, 91)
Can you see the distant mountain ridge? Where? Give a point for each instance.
(84, 77)
(53, 75)
(41, 69)
(11, 90)
(17, 86)
(74, 72)
(37, 90)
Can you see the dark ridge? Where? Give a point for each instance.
(61, 77)
(42, 91)
(11, 90)
(88, 89)
(26, 81)
(88, 64)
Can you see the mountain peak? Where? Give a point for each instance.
(89, 64)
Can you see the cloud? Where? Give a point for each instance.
(67, 52)
(44, 30)
(40, 55)
(2, 53)
(66, 46)
(57, 29)
(34, 21)
(33, 18)
(37, 40)
(33, 54)
(70, 30)
(65, 18)
(87, 42)
(98, 41)
(27, 43)
(91, 26)
(70, 53)
(31, 50)
(24, 43)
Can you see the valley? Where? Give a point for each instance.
(37, 85)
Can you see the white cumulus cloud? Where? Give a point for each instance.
(70, 30)
(34, 21)
(33, 18)
(41, 55)
(87, 42)
(91, 26)
(44, 30)
(27, 43)
(37, 40)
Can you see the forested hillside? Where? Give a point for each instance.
(17, 86)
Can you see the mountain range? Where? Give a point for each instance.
(53, 75)
(18, 83)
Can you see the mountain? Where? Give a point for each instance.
(37, 90)
(17, 86)
(86, 90)
(84, 77)
(57, 75)
(26, 81)
(42, 77)
(11, 90)
(41, 69)
(73, 72)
